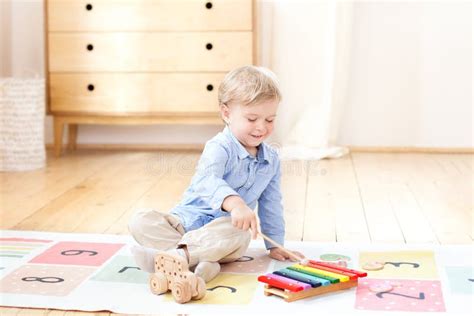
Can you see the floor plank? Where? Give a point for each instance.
(79, 208)
(375, 184)
(387, 180)
(173, 173)
(333, 204)
(10, 311)
(293, 185)
(450, 223)
(22, 194)
(320, 214)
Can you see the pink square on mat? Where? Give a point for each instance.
(45, 280)
(407, 295)
(78, 253)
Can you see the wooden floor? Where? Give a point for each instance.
(363, 197)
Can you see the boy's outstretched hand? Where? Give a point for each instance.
(244, 218)
(280, 255)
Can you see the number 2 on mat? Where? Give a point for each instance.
(421, 295)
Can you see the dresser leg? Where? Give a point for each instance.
(58, 136)
(72, 137)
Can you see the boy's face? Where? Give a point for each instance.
(251, 124)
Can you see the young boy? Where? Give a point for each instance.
(236, 170)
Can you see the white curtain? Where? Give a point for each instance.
(307, 44)
(22, 86)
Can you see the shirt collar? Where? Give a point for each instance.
(262, 153)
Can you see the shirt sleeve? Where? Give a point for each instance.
(270, 210)
(209, 184)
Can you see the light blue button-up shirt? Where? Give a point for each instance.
(226, 168)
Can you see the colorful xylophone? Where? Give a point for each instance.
(300, 281)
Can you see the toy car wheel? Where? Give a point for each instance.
(201, 289)
(181, 291)
(158, 283)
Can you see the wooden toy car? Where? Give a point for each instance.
(172, 273)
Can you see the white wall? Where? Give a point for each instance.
(411, 75)
(410, 81)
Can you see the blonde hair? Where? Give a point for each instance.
(249, 85)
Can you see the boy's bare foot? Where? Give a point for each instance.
(207, 270)
(144, 257)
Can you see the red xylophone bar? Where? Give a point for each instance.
(333, 266)
(279, 284)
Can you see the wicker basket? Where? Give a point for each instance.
(22, 112)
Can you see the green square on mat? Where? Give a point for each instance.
(121, 269)
(460, 279)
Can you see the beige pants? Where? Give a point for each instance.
(217, 241)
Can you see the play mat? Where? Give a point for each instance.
(92, 272)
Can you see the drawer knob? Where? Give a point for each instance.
(209, 46)
(90, 87)
(210, 87)
(209, 5)
(90, 47)
(88, 7)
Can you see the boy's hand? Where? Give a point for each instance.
(278, 254)
(244, 218)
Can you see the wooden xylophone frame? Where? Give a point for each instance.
(293, 296)
(290, 294)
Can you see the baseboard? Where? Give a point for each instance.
(400, 149)
(177, 147)
(200, 147)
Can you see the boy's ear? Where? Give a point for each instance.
(224, 112)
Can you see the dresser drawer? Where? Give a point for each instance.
(134, 93)
(149, 15)
(194, 51)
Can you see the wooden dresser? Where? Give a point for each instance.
(141, 61)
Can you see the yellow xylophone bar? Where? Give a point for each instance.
(342, 278)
